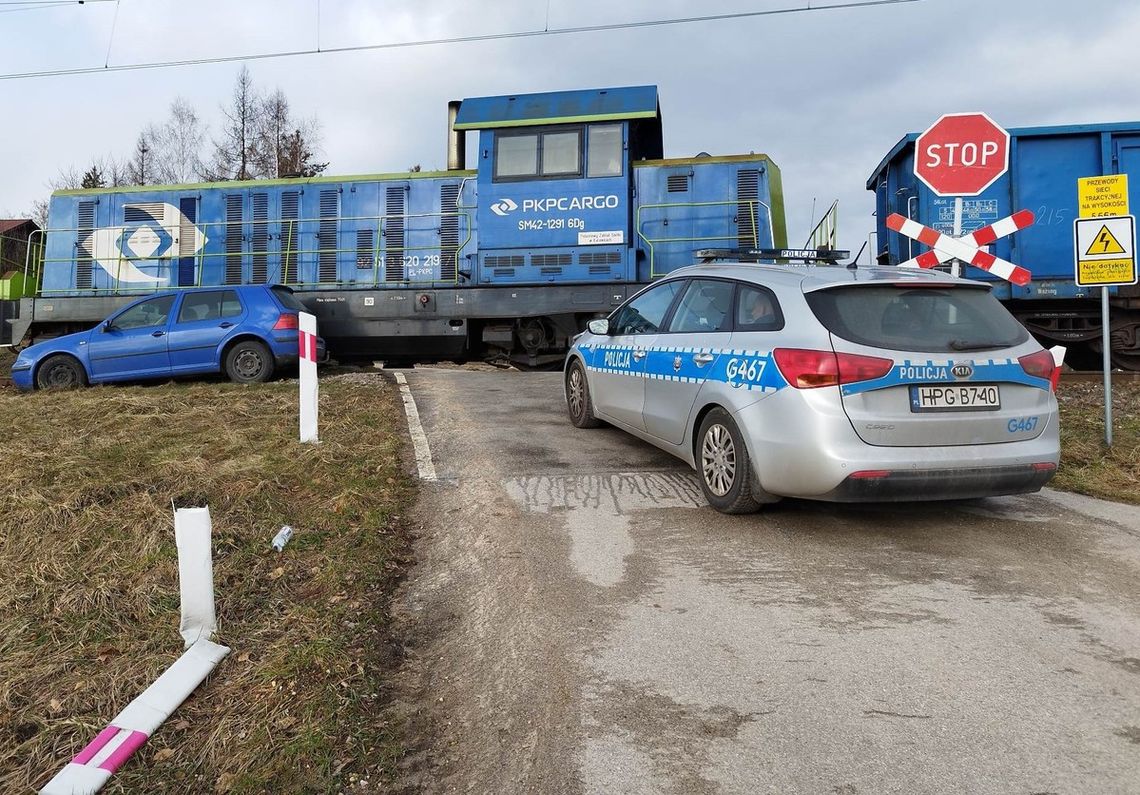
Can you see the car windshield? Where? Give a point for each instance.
(938, 319)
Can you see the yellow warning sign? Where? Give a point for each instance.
(1103, 197)
(1105, 243)
(1106, 251)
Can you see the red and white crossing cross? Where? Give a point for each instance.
(967, 248)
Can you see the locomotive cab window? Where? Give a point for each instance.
(545, 154)
(605, 152)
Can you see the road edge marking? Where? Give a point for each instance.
(419, 439)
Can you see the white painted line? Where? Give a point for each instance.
(416, 429)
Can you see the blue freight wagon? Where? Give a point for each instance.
(569, 209)
(1045, 163)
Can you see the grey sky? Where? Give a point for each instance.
(825, 94)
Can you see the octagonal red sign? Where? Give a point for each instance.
(961, 154)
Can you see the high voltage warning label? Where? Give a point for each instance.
(1105, 251)
(1103, 197)
(1105, 243)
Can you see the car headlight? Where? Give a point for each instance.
(22, 363)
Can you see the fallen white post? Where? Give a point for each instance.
(93, 766)
(307, 342)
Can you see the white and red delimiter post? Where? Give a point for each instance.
(307, 342)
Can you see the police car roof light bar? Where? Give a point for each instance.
(826, 255)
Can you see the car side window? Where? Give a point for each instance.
(705, 306)
(149, 313)
(209, 305)
(646, 313)
(757, 310)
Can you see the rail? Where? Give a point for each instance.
(652, 242)
(418, 264)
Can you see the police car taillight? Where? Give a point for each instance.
(1041, 365)
(808, 369)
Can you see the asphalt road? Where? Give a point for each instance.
(580, 621)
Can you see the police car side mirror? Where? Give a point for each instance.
(106, 326)
(599, 327)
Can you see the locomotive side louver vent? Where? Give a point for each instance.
(86, 223)
(259, 237)
(141, 212)
(394, 234)
(508, 260)
(540, 260)
(448, 231)
(678, 183)
(748, 212)
(328, 234)
(233, 238)
(290, 235)
(365, 240)
(599, 258)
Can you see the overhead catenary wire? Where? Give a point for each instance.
(483, 37)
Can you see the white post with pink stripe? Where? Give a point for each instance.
(309, 390)
(97, 762)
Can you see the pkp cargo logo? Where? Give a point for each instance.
(503, 206)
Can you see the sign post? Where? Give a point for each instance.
(1105, 251)
(960, 155)
(307, 345)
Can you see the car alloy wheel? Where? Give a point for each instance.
(578, 404)
(718, 460)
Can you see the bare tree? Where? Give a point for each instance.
(285, 146)
(176, 145)
(234, 150)
(140, 169)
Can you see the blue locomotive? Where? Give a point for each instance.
(569, 209)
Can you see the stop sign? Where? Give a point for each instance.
(961, 154)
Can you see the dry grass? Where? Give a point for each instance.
(89, 604)
(1087, 467)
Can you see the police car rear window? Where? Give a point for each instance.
(930, 319)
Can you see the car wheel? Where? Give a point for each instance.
(60, 372)
(578, 398)
(249, 362)
(725, 468)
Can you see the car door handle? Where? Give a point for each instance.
(703, 358)
(225, 324)
(158, 334)
(638, 354)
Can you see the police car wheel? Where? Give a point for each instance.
(725, 468)
(578, 404)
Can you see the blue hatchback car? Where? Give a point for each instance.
(247, 331)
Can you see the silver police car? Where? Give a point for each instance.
(825, 383)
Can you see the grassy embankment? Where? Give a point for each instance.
(89, 604)
(1086, 466)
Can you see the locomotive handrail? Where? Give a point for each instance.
(287, 231)
(737, 203)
